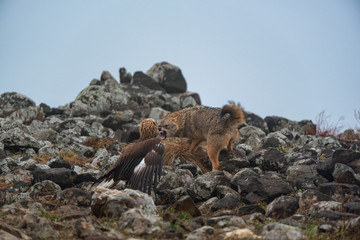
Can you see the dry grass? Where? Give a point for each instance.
(74, 158)
(70, 157)
(324, 126)
(3, 184)
(178, 147)
(97, 143)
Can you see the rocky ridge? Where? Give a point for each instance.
(281, 181)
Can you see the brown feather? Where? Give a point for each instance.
(150, 150)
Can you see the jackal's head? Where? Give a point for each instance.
(170, 126)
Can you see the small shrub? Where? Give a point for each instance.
(324, 126)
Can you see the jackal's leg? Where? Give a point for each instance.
(213, 154)
(194, 144)
(230, 145)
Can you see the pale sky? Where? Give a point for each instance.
(277, 58)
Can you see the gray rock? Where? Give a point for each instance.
(186, 204)
(189, 99)
(250, 209)
(168, 76)
(12, 101)
(305, 127)
(84, 229)
(203, 186)
(100, 100)
(3, 154)
(74, 196)
(125, 77)
(332, 215)
(205, 207)
(134, 222)
(113, 203)
(272, 160)
(11, 233)
(352, 207)
(229, 201)
(58, 162)
(345, 156)
(101, 158)
(61, 176)
(251, 136)
(27, 115)
(301, 172)
(7, 164)
(16, 139)
(353, 225)
(311, 196)
(143, 80)
(254, 188)
(282, 207)
(226, 221)
(256, 121)
(325, 205)
(274, 231)
(158, 113)
(202, 233)
(338, 191)
(234, 165)
(171, 185)
(44, 190)
(116, 120)
(45, 135)
(345, 174)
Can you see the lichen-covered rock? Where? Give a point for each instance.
(203, 233)
(305, 127)
(203, 186)
(74, 196)
(274, 231)
(257, 188)
(16, 139)
(46, 190)
(252, 136)
(113, 203)
(12, 101)
(101, 99)
(172, 185)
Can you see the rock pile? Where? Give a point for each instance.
(281, 181)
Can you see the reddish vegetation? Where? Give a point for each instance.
(324, 128)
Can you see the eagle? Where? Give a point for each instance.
(140, 164)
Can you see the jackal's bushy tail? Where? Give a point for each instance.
(235, 112)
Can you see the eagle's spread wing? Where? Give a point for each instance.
(147, 173)
(131, 158)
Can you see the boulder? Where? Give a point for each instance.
(125, 77)
(16, 139)
(274, 231)
(100, 100)
(282, 207)
(305, 127)
(204, 186)
(12, 101)
(143, 80)
(114, 203)
(256, 188)
(62, 176)
(168, 76)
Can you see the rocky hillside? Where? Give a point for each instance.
(281, 181)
